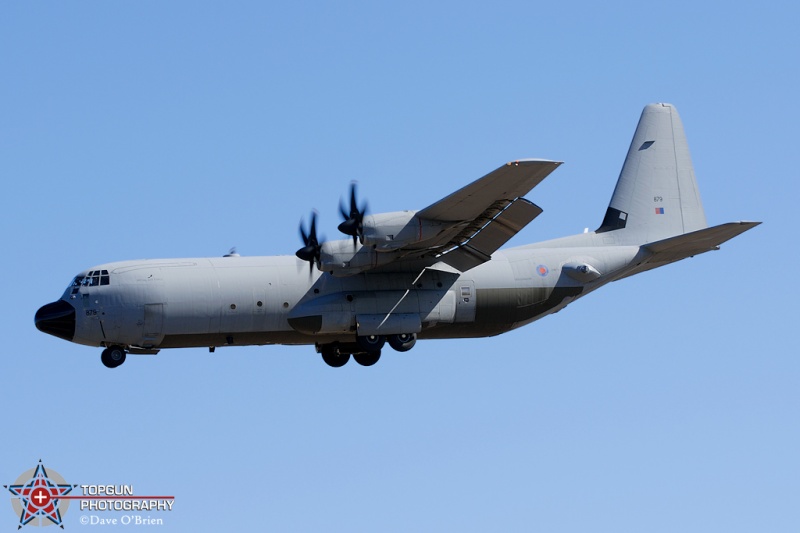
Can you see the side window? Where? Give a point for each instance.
(76, 284)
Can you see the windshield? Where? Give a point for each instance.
(92, 279)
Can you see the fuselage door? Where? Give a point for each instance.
(465, 300)
(153, 327)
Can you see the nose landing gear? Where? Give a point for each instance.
(113, 356)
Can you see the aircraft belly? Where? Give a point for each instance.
(258, 338)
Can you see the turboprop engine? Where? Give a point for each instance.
(386, 232)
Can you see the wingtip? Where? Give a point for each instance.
(533, 161)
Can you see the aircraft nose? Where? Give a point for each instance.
(57, 318)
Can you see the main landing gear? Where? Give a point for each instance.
(333, 357)
(366, 350)
(113, 356)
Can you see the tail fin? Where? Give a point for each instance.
(656, 196)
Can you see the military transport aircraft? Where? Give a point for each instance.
(403, 276)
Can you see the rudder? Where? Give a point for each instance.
(656, 196)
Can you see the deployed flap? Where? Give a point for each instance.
(480, 247)
(508, 182)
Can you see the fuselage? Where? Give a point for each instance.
(210, 302)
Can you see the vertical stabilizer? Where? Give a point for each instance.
(656, 196)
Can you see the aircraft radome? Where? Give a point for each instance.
(399, 277)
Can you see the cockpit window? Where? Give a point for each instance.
(94, 278)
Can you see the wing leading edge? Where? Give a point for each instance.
(475, 201)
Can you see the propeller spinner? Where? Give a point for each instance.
(353, 224)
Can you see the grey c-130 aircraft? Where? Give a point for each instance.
(398, 277)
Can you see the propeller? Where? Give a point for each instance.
(354, 220)
(312, 247)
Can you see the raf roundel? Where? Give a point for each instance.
(542, 270)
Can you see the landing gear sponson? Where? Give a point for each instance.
(366, 350)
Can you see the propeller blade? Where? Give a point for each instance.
(353, 223)
(303, 235)
(312, 248)
(353, 204)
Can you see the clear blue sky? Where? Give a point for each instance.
(667, 402)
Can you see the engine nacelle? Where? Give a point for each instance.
(386, 232)
(341, 258)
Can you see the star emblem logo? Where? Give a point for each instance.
(36, 495)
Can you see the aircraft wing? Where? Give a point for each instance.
(479, 200)
(455, 234)
(480, 217)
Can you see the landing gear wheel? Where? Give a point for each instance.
(367, 358)
(371, 343)
(403, 342)
(113, 356)
(333, 358)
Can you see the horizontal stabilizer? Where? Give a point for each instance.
(689, 244)
(700, 241)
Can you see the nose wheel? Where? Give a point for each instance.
(113, 356)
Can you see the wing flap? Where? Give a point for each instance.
(480, 246)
